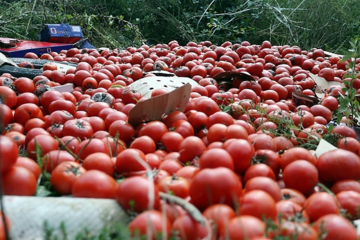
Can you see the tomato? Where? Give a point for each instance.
(19, 181)
(8, 96)
(217, 185)
(241, 152)
(64, 175)
(332, 168)
(125, 131)
(171, 166)
(259, 170)
(296, 153)
(349, 143)
(216, 133)
(235, 131)
(171, 141)
(130, 160)
(207, 106)
(186, 227)
(289, 229)
(115, 146)
(187, 172)
(333, 226)
(265, 184)
(90, 146)
(27, 98)
(19, 138)
(8, 154)
(133, 194)
(190, 148)
(24, 84)
(145, 144)
(350, 201)
(344, 131)
(320, 110)
(94, 184)
(7, 116)
(219, 216)
(259, 204)
(290, 210)
(155, 130)
(112, 116)
(30, 165)
(214, 158)
(177, 186)
(64, 105)
(251, 227)
(150, 223)
(48, 97)
(320, 204)
(27, 111)
(304, 170)
(346, 185)
(54, 158)
(78, 128)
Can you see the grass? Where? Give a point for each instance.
(327, 24)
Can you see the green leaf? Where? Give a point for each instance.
(41, 191)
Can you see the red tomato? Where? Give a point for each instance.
(214, 158)
(346, 185)
(350, 201)
(320, 204)
(78, 128)
(145, 144)
(30, 165)
(133, 194)
(304, 170)
(90, 146)
(259, 204)
(190, 148)
(27, 111)
(251, 227)
(241, 152)
(54, 158)
(265, 184)
(94, 184)
(19, 181)
(186, 227)
(64, 175)
(138, 227)
(332, 168)
(45, 142)
(217, 185)
(333, 226)
(130, 160)
(177, 186)
(8, 154)
(8, 96)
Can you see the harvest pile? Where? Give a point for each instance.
(243, 155)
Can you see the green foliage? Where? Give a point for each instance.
(349, 103)
(121, 23)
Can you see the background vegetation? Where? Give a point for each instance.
(327, 24)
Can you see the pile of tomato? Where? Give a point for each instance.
(243, 156)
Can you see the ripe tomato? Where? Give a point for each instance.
(346, 185)
(333, 226)
(304, 170)
(27, 111)
(190, 148)
(293, 195)
(186, 227)
(265, 184)
(171, 141)
(78, 128)
(241, 152)
(8, 154)
(133, 194)
(332, 168)
(90, 146)
(219, 216)
(8, 96)
(296, 153)
(259, 204)
(217, 185)
(350, 201)
(19, 181)
(155, 130)
(145, 144)
(320, 204)
(214, 158)
(177, 186)
(251, 228)
(94, 184)
(64, 175)
(47, 144)
(130, 160)
(139, 226)
(54, 158)
(291, 210)
(30, 165)
(259, 170)
(6, 114)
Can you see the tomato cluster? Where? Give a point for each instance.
(243, 156)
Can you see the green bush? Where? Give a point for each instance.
(327, 24)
